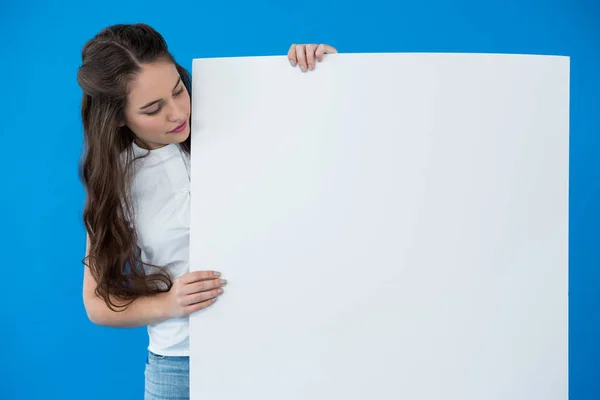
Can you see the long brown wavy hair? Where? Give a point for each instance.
(110, 60)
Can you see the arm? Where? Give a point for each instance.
(189, 293)
(142, 311)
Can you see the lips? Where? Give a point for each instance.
(180, 128)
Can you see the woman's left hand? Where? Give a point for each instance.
(304, 55)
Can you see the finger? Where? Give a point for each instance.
(324, 49)
(199, 297)
(196, 276)
(301, 57)
(310, 55)
(292, 55)
(202, 286)
(198, 306)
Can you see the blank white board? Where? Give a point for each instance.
(392, 226)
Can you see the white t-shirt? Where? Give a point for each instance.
(160, 199)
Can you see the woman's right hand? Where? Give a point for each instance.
(194, 291)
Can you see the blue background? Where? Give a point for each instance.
(49, 348)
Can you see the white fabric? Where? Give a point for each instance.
(160, 198)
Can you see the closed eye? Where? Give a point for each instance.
(178, 93)
(154, 112)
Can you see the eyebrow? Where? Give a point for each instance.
(159, 100)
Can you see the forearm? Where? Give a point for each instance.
(143, 311)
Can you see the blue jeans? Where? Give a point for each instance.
(167, 377)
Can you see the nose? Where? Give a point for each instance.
(176, 113)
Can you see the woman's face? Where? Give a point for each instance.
(158, 106)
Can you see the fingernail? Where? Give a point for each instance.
(311, 67)
(292, 63)
(217, 273)
(215, 299)
(302, 68)
(223, 281)
(220, 291)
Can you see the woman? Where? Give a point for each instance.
(136, 119)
